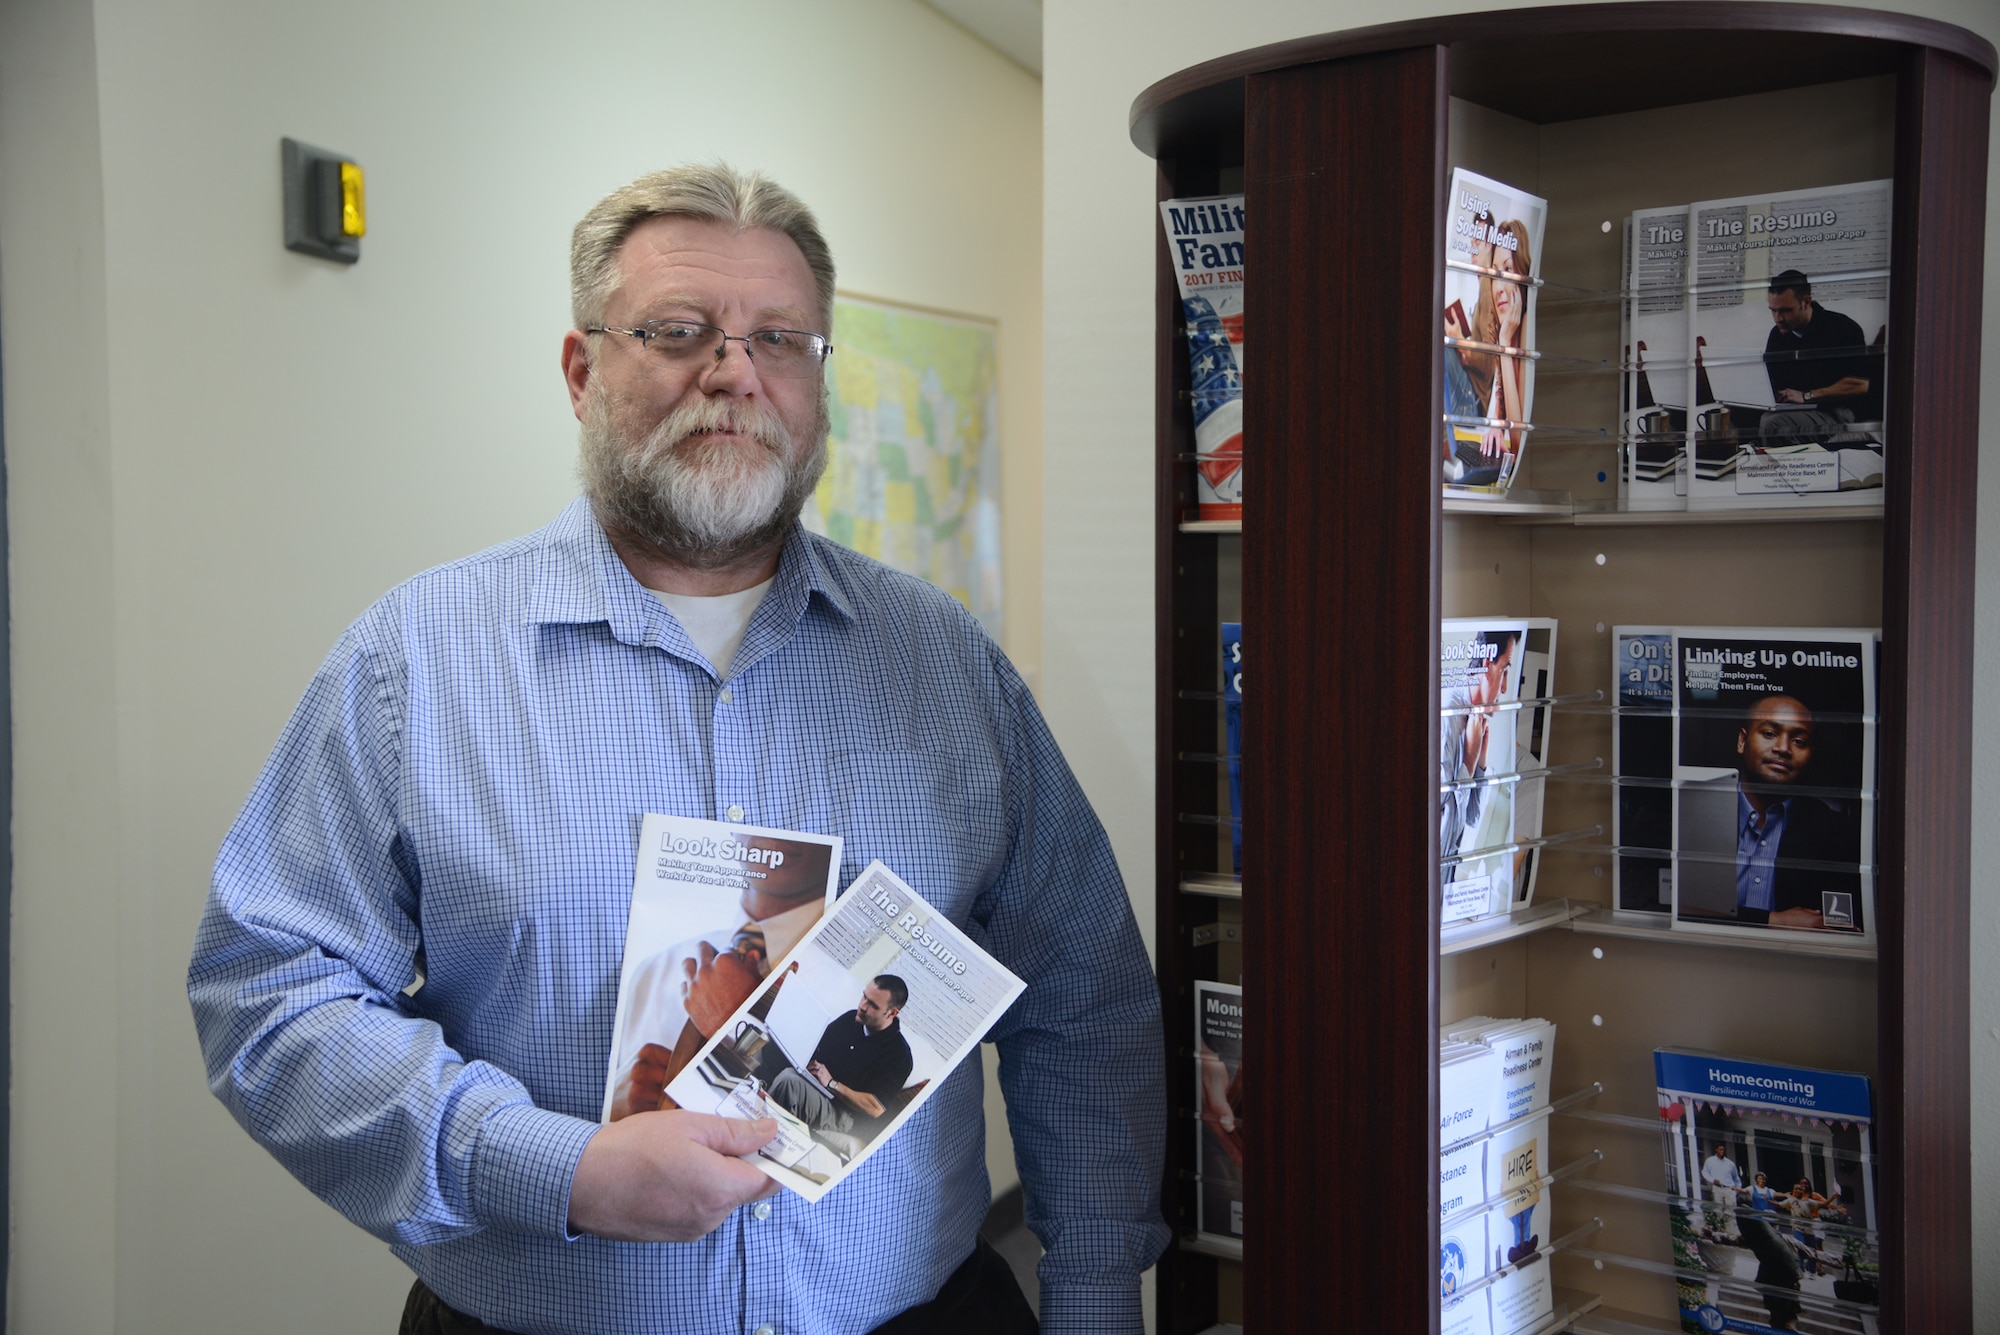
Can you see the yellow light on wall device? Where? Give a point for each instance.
(326, 210)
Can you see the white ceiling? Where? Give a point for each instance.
(1011, 27)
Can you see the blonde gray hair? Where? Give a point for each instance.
(712, 191)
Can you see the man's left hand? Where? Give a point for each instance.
(643, 1088)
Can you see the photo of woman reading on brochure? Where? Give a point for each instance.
(1482, 382)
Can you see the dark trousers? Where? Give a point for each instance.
(980, 1298)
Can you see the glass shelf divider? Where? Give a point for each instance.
(1826, 1226)
(1541, 1256)
(1566, 1102)
(1805, 1298)
(1562, 1173)
(1635, 925)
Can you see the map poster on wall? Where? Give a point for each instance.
(913, 461)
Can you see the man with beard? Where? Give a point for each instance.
(406, 976)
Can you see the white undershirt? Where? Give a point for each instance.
(715, 623)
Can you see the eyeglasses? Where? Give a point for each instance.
(789, 354)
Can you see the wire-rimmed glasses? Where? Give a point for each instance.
(789, 354)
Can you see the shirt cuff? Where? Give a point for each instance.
(522, 1169)
(1091, 1311)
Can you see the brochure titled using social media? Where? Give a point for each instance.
(880, 1001)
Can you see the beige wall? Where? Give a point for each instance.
(1098, 545)
(219, 452)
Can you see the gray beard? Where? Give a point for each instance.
(695, 506)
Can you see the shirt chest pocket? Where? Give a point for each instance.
(937, 821)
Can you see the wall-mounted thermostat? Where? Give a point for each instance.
(326, 210)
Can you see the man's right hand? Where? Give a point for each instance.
(667, 1176)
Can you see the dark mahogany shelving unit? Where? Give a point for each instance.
(1340, 144)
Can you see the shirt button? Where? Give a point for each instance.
(766, 1330)
(734, 813)
(763, 1210)
(727, 695)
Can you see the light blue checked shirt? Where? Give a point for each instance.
(465, 778)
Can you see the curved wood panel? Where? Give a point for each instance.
(1929, 523)
(1570, 61)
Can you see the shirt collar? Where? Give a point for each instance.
(1747, 815)
(783, 930)
(579, 580)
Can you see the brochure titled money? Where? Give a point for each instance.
(1218, 1010)
(714, 908)
(880, 1001)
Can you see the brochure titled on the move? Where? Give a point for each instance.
(879, 1003)
(714, 908)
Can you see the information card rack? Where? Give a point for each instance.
(1347, 558)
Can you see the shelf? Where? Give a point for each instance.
(1213, 884)
(1617, 1321)
(1609, 514)
(1482, 932)
(1643, 927)
(1572, 1306)
(1521, 503)
(1524, 505)
(1229, 1249)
